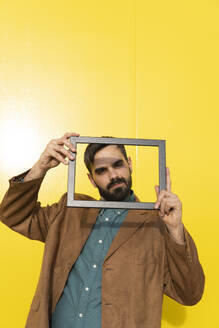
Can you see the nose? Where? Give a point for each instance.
(112, 174)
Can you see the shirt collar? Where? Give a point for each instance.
(128, 198)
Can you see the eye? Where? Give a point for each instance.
(118, 164)
(100, 171)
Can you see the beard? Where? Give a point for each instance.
(119, 193)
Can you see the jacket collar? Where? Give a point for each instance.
(134, 219)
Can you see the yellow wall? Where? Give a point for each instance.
(144, 69)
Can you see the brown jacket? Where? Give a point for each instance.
(142, 264)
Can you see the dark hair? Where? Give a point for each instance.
(93, 148)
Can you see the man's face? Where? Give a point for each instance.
(111, 174)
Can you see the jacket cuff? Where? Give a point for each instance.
(183, 250)
(19, 179)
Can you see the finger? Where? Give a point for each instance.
(159, 197)
(167, 205)
(63, 152)
(163, 194)
(157, 190)
(67, 136)
(71, 134)
(168, 179)
(163, 203)
(64, 140)
(156, 205)
(162, 208)
(58, 157)
(70, 146)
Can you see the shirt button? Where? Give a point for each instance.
(118, 212)
(106, 219)
(100, 241)
(80, 315)
(86, 288)
(94, 266)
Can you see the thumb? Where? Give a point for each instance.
(156, 190)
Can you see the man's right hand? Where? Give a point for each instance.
(54, 154)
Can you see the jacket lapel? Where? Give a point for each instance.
(88, 223)
(132, 222)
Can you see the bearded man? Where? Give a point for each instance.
(104, 268)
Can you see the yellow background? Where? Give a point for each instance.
(138, 69)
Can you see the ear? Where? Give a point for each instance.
(91, 180)
(130, 163)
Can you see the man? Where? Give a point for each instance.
(107, 268)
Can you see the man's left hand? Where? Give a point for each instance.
(170, 210)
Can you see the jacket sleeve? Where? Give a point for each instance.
(183, 277)
(21, 212)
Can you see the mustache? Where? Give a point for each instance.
(115, 181)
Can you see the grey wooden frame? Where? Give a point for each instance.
(71, 202)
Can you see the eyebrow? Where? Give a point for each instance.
(103, 168)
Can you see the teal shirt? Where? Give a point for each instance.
(80, 303)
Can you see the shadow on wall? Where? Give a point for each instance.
(173, 312)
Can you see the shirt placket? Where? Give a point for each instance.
(99, 246)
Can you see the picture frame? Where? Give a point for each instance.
(72, 202)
